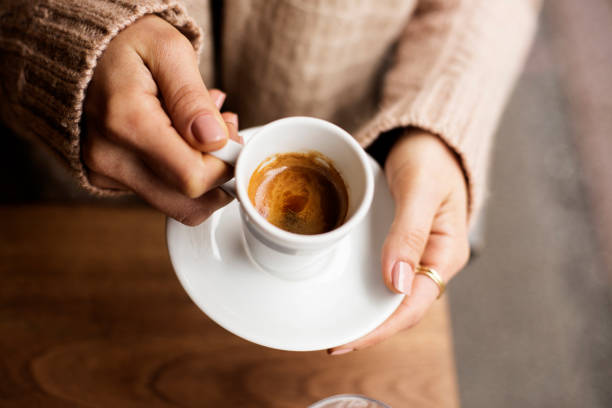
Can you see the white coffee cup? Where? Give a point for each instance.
(282, 253)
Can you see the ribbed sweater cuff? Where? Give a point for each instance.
(59, 48)
(465, 90)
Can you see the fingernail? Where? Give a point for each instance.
(219, 99)
(401, 281)
(207, 130)
(340, 351)
(233, 119)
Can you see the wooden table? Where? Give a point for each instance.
(91, 314)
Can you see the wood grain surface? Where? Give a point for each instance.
(91, 314)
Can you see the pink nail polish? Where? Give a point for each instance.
(340, 351)
(400, 277)
(220, 98)
(207, 130)
(233, 119)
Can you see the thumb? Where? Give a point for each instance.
(173, 64)
(407, 239)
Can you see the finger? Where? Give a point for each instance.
(101, 181)
(127, 111)
(406, 315)
(173, 63)
(140, 123)
(123, 105)
(408, 235)
(231, 119)
(447, 254)
(118, 163)
(218, 97)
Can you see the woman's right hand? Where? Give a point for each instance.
(149, 121)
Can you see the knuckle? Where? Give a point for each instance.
(171, 44)
(180, 42)
(114, 115)
(191, 182)
(169, 37)
(132, 120)
(123, 118)
(412, 240)
(187, 100)
(151, 21)
(160, 31)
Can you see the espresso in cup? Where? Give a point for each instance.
(299, 192)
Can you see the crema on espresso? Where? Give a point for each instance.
(299, 192)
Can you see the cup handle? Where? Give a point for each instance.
(229, 154)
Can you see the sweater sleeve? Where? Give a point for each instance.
(48, 52)
(451, 73)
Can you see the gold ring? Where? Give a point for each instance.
(434, 276)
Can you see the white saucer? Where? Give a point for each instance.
(341, 304)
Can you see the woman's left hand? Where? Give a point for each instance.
(429, 228)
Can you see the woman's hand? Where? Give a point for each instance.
(429, 228)
(148, 120)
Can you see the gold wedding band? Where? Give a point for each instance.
(434, 276)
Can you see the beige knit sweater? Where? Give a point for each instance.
(371, 66)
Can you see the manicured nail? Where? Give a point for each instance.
(219, 99)
(340, 351)
(232, 118)
(400, 277)
(207, 130)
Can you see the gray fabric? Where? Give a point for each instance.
(532, 314)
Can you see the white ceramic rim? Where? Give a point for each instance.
(340, 397)
(291, 238)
